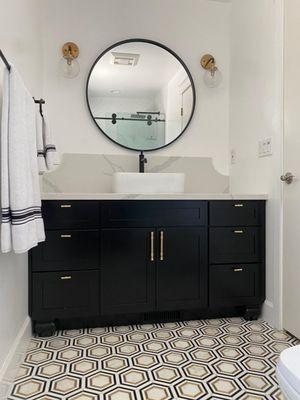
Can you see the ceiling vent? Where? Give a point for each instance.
(126, 59)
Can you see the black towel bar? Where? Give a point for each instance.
(4, 59)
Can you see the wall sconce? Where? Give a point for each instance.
(69, 65)
(212, 76)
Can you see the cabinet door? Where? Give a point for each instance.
(236, 213)
(235, 285)
(182, 268)
(68, 294)
(127, 270)
(235, 245)
(63, 250)
(74, 214)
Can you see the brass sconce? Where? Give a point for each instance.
(69, 65)
(212, 76)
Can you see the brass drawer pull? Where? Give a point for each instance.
(239, 205)
(152, 246)
(65, 206)
(66, 278)
(238, 232)
(65, 236)
(161, 246)
(237, 269)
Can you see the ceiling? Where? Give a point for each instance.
(155, 68)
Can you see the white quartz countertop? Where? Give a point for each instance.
(159, 196)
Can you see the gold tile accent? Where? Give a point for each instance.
(84, 367)
(101, 381)
(166, 374)
(120, 394)
(134, 377)
(115, 363)
(197, 371)
(145, 360)
(38, 357)
(224, 386)
(28, 389)
(190, 390)
(65, 385)
(156, 392)
(99, 351)
(51, 370)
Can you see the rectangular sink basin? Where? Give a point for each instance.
(133, 182)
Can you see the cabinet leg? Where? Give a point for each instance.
(44, 329)
(252, 314)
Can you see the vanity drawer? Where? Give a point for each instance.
(235, 285)
(144, 213)
(70, 214)
(236, 244)
(68, 294)
(234, 213)
(65, 249)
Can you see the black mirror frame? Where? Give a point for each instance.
(173, 54)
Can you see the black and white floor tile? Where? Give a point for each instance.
(204, 359)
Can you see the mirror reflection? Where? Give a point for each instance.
(140, 95)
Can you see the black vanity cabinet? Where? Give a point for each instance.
(126, 261)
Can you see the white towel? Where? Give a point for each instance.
(51, 155)
(46, 150)
(40, 142)
(22, 225)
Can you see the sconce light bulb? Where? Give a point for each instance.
(212, 77)
(69, 67)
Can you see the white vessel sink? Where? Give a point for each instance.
(132, 182)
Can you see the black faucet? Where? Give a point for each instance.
(142, 162)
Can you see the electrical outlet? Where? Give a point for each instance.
(265, 147)
(233, 157)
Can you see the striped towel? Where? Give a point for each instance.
(22, 225)
(46, 150)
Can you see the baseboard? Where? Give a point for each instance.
(268, 312)
(14, 359)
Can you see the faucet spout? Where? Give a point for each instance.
(142, 161)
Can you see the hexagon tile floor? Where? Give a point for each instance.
(205, 359)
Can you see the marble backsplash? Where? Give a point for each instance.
(92, 173)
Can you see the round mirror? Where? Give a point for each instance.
(140, 94)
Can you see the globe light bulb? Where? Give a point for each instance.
(69, 68)
(212, 77)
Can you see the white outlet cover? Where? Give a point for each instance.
(265, 147)
(233, 156)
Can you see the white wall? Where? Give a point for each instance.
(256, 113)
(191, 28)
(19, 39)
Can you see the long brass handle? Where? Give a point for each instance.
(239, 205)
(65, 236)
(237, 269)
(65, 206)
(152, 246)
(66, 278)
(238, 231)
(161, 257)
